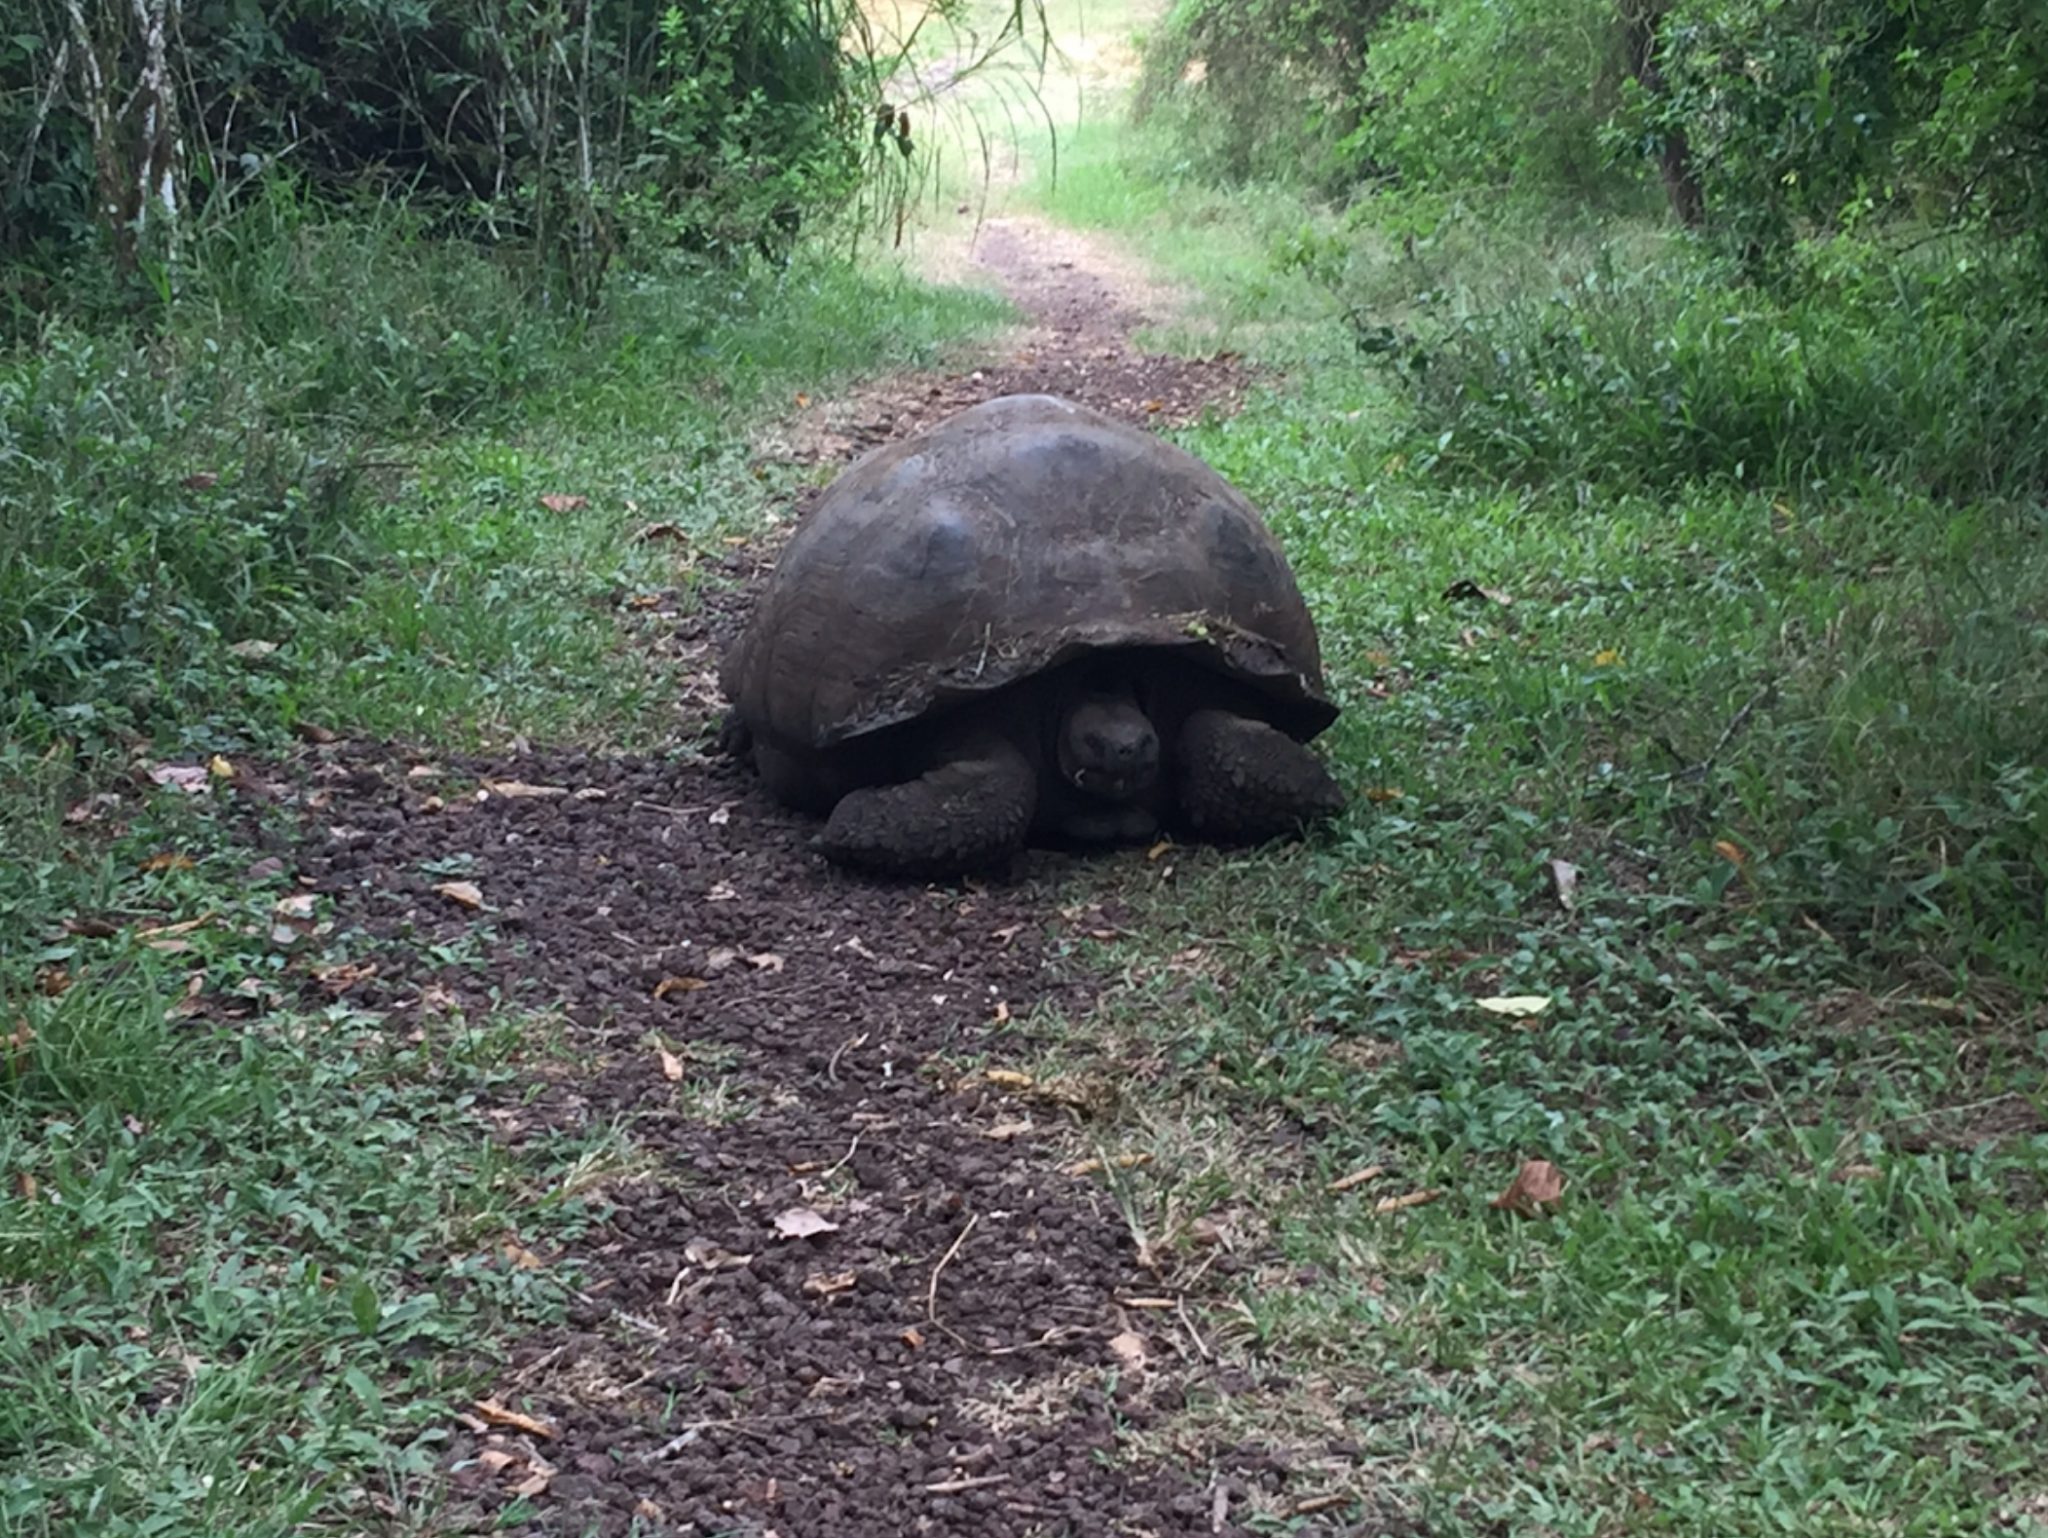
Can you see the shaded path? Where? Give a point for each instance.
(952, 1349)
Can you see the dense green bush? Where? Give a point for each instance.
(1930, 375)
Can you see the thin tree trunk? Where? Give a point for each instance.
(1641, 19)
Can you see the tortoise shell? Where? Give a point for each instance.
(1013, 537)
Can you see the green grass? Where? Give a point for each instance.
(1793, 740)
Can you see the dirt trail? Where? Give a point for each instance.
(954, 1348)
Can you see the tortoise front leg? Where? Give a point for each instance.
(1243, 781)
(970, 811)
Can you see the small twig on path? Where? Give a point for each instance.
(974, 1482)
(931, 1291)
(1195, 1335)
(669, 811)
(835, 1169)
(1316, 1503)
(832, 1068)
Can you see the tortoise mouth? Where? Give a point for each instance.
(1113, 784)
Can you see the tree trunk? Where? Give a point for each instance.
(1640, 19)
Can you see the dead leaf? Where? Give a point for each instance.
(912, 1337)
(53, 982)
(91, 807)
(1538, 1184)
(1155, 406)
(822, 1285)
(531, 1486)
(316, 734)
(671, 1065)
(647, 1509)
(803, 1223)
(464, 893)
(1403, 1203)
(1518, 1006)
(1002, 1012)
(1564, 881)
(766, 961)
(169, 947)
(713, 1257)
(520, 1255)
(1159, 849)
(1207, 1231)
(1129, 1350)
(168, 861)
(1850, 1172)
(1356, 1178)
(1606, 658)
(344, 975)
(802, 400)
(498, 1415)
(17, 1043)
(264, 869)
(1384, 793)
(495, 1460)
(653, 531)
(1129, 1161)
(1465, 588)
(92, 928)
(721, 893)
(1007, 933)
(252, 651)
(1007, 1078)
(190, 778)
(291, 917)
(1004, 1131)
(519, 790)
(559, 502)
(670, 985)
(201, 480)
(150, 931)
(424, 772)
(25, 1185)
(1731, 852)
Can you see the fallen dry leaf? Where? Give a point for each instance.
(1159, 849)
(168, 861)
(185, 927)
(823, 1285)
(1731, 852)
(721, 893)
(53, 982)
(495, 1460)
(519, 790)
(765, 961)
(92, 927)
(1129, 1161)
(1538, 1184)
(17, 1043)
(252, 651)
(559, 502)
(1356, 1178)
(1606, 658)
(220, 768)
(464, 893)
(190, 778)
(1402, 1203)
(671, 1065)
(344, 975)
(520, 1255)
(1564, 881)
(803, 1223)
(201, 480)
(670, 985)
(1007, 1078)
(1517, 1006)
(648, 1510)
(316, 734)
(1850, 1172)
(91, 807)
(1155, 406)
(1383, 793)
(531, 1486)
(1007, 933)
(912, 1337)
(713, 1257)
(652, 531)
(1003, 1132)
(25, 1185)
(1129, 1350)
(498, 1415)
(1001, 1016)
(802, 400)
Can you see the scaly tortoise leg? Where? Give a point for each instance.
(968, 812)
(1242, 781)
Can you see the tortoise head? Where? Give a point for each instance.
(1106, 744)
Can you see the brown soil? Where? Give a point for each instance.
(958, 1352)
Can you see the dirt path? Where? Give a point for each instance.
(845, 1288)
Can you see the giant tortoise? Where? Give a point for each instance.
(1030, 624)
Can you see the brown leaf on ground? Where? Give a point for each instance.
(1007, 1078)
(520, 1255)
(670, 985)
(1129, 1350)
(498, 1415)
(316, 734)
(495, 1460)
(25, 1185)
(653, 531)
(92, 807)
(561, 502)
(1731, 851)
(531, 1486)
(1356, 1178)
(344, 975)
(53, 982)
(190, 778)
(167, 860)
(1002, 1012)
(912, 1337)
(1129, 1161)
(252, 650)
(183, 927)
(464, 893)
(201, 480)
(765, 961)
(1403, 1203)
(16, 1044)
(713, 1257)
(803, 1223)
(671, 1065)
(1538, 1184)
(824, 1285)
(519, 790)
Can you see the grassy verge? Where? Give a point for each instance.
(1744, 788)
(252, 1246)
